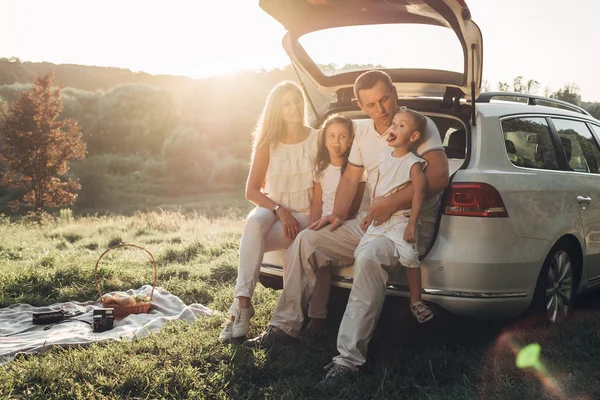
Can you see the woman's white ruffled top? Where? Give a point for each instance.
(289, 180)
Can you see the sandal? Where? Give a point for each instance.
(421, 312)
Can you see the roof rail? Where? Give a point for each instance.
(532, 100)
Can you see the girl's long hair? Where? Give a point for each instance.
(270, 126)
(323, 159)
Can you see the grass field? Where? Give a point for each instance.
(448, 358)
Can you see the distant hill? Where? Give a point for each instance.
(90, 78)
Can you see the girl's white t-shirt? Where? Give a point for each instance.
(329, 180)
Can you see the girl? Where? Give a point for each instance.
(335, 141)
(283, 156)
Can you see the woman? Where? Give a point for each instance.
(280, 184)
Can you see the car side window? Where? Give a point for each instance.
(529, 143)
(580, 146)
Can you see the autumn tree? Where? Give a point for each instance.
(37, 147)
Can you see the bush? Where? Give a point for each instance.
(186, 158)
(231, 172)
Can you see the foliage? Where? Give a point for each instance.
(592, 108)
(519, 85)
(37, 148)
(187, 157)
(133, 118)
(146, 134)
(569, 93)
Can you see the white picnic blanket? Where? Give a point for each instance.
(19, 335)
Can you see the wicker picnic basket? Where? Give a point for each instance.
(119, 310)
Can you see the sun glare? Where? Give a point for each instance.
(193, 38)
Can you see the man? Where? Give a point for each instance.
(314, 248)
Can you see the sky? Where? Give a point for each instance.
(552, 41)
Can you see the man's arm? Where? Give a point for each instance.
(437, 180)
(360, 191)
(344, 196)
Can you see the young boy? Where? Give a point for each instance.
(396, 169)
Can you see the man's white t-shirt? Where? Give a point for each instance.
(366, 153)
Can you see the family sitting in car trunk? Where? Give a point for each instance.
(307, 186)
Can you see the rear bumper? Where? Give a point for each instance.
(485, 305)
(491, 276)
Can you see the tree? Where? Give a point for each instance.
(569, 93)
(531, 86)
(503, 87)
(37, 148)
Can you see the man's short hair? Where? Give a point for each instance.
(368, 79)
(418, 118)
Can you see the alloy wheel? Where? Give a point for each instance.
(559, 289)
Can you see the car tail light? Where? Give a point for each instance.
(474, 200)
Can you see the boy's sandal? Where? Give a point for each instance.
(421, 312)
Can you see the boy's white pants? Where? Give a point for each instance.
(263, 232)
(314, 249)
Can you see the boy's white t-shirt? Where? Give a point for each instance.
(394, 172)
(369, 144)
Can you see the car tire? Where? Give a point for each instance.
(556, 286)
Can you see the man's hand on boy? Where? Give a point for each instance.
(380, 210)
(332, 220)
(410, 233)
(366, 222)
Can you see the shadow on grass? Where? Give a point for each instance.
(447, 358)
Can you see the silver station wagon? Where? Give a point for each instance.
(519, 225)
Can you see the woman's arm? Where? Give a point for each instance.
(256, 178)
(360, 191)
(316, 208)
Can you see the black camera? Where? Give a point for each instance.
(103, 319)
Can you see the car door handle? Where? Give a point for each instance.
(584, 199)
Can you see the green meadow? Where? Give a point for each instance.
(448, 358)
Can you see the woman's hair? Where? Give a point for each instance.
(270, 126)
(322, 154)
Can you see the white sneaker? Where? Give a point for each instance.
(241, 325)
(227, 332)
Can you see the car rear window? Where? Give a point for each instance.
(579, 145)
(529, 143)
(357, 48)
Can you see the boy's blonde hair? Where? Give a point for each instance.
(419, 120)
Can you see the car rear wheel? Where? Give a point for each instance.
(555, 290)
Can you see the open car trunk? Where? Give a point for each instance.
(302, 18)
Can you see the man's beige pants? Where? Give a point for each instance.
(315, 249)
